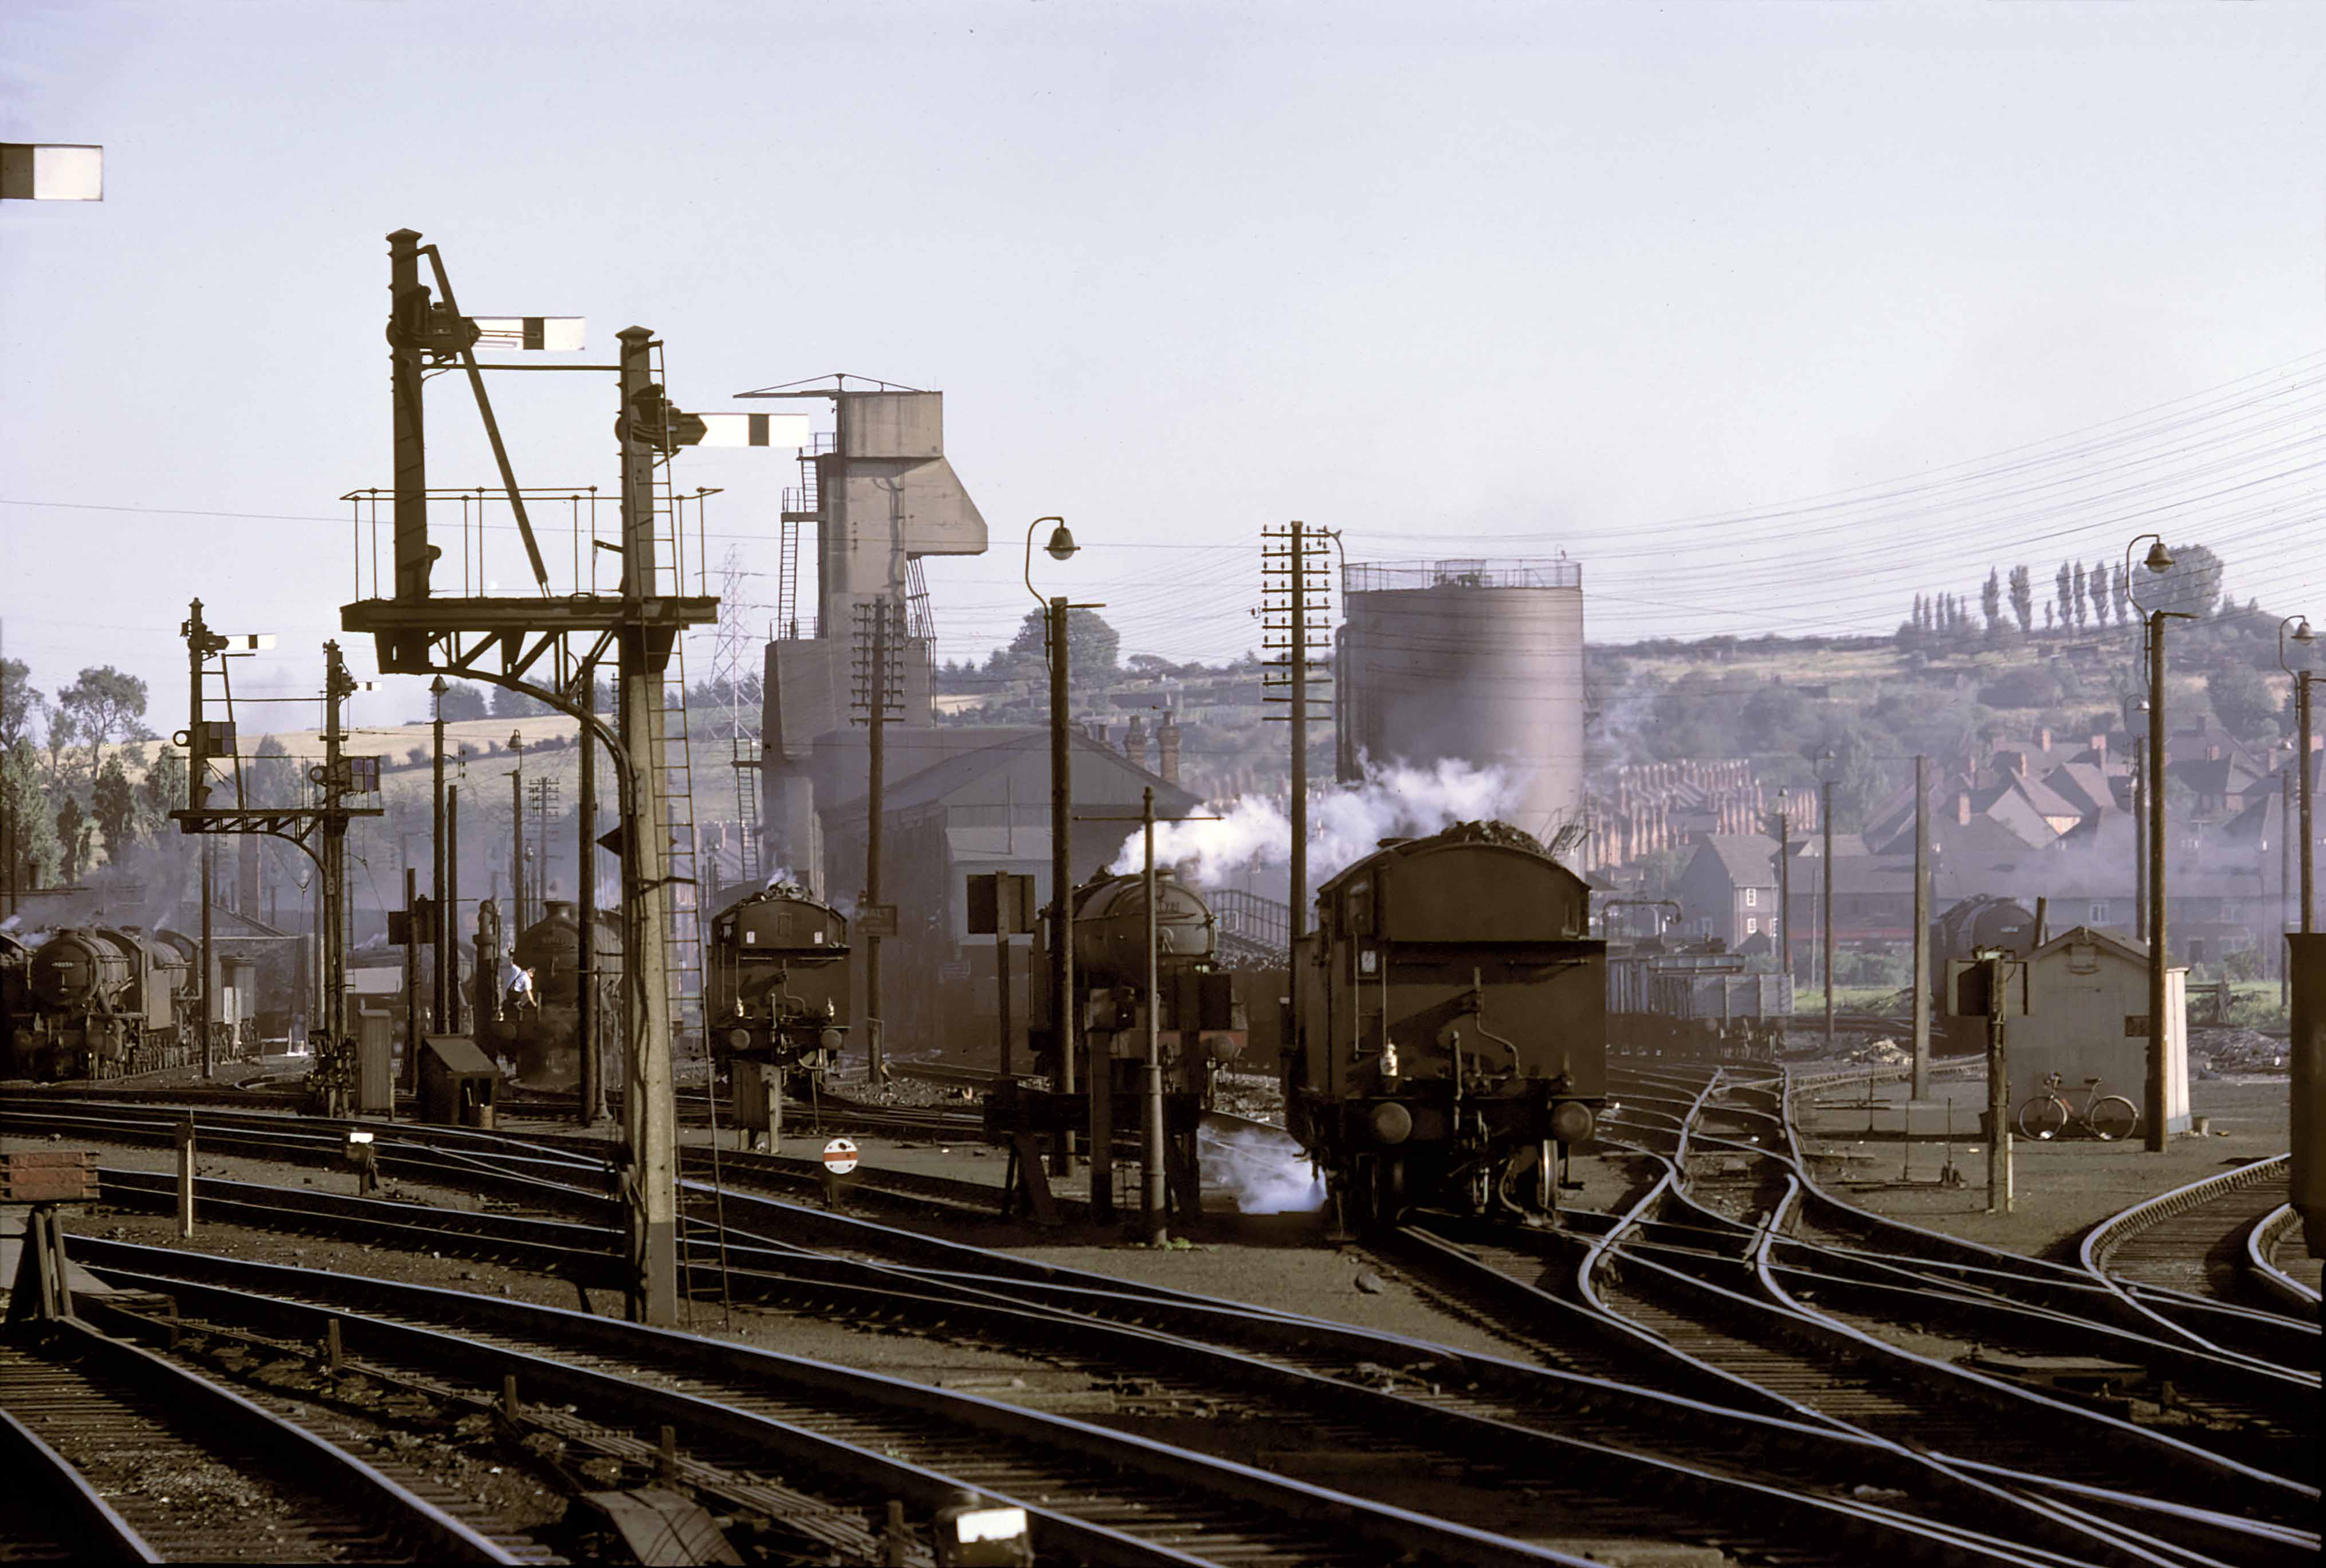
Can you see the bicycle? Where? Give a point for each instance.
(2107, 1116)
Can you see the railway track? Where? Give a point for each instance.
(1096, 1493)
(142, 1460)
(1710, 1301)
(2180, 1260)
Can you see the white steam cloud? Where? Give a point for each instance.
(1344, 825)
(1267, 1171)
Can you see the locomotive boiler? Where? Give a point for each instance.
(775, 995)
(1451, 1028)
(1965, 930)
(101, 1002)
(543, 1040)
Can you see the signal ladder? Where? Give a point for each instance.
(673, 770)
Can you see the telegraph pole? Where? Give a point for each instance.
(1998, 1091)
(443, 936)
(1921, 1088)
(451, 915)
(2285, 881)
(517, 879)
(876, 719)
(1825, 812)
(1150, 1123)
(1785, 885)
(338, 686)
(210, 959)
(1293, 564)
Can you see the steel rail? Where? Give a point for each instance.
(461, 1328)
(2262, 1240)
(342, 1483)
(77, 1517)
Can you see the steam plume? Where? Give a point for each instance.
(1399, 800)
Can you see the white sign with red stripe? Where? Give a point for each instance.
(839, 1156)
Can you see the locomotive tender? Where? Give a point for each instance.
(1452, 1023)
(774, 989)
(545, 1040)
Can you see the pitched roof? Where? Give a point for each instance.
(934, 785)
(2124, 947)
(2082, 785)
(1749, 860)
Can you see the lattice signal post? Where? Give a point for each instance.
(1296, 598)
(319, 829)
(546, 647)
(877, 695)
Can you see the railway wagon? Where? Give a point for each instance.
(1451, 1032)
(1696, 1004)
(101, 1002)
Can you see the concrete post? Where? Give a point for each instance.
(1150, 1141)
(648, 1111)
(1922, 1072)
(1998, 1093)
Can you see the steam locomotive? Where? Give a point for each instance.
(1965, 930)
(545, 1040)
(101, 1002)
(1201, 1021)
(1451, 1028)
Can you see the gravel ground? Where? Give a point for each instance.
(2060, 1189)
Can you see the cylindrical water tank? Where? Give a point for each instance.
(1475, 660)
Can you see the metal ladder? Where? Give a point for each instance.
(673, 770)
(803, 503)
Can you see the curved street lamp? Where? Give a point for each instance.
(1054, 611)
(2302, 634)
(2153, 618)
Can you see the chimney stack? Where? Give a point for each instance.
(1134, 741)
(1962, 810)
(1166, 747)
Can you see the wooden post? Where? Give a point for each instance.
(1998, 1093)
(1921, 1088)
(186, 1178)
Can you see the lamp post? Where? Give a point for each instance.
(2159, 562)
(2303, 635)
(1825, 819)
(1060, 547)
(2134, 725)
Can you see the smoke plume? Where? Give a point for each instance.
(1399, 800)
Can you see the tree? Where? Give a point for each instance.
(2243, 701)
(33, 851)
(512, 704)
(1858, 785)
(2120, 592)
(2066, 584)
(106, 706)
(2082, 599)
(270, 779)
(2022, 600)
(2193, 586)
(1990, 600)
(163, 791)
(73, 831)
(1091, 643)
(20, 701)
(2103, 602)
(462, 701)
(1922, 613)
(113, 806)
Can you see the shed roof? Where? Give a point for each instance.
(461, 1054)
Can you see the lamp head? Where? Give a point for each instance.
(1062, 543)
(516, 740)
(2160, 560)
(2302, 634)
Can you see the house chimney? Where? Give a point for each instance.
(2043, 740)
(1962, 810)
(1167, 748)
(2099, 749)
(1134, 741)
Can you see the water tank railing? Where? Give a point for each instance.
(1391, 576)
(1257, 919)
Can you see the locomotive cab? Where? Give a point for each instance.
(1452, 1025)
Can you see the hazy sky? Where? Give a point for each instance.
(1504, 279)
